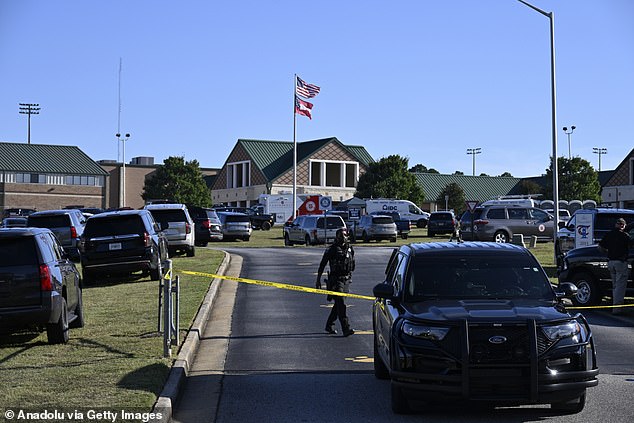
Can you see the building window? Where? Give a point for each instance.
(239, 174)
(334, 174)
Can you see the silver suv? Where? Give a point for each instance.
(313, 229)
(500, 222)
(179, 226)
(375, 227)
(67, 225)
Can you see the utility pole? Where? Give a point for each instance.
(29, 109)
(122, 140)
(473, 152)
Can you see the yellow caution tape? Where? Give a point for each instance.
(600, 306)
(279, 285)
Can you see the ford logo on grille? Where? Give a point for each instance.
(497, 339)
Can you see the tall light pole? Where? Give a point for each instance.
(29, 109)
(473, 152)
(600, 151)
(569, 133)
(553, 94)
(122, 182)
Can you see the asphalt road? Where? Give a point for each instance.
(281, 366)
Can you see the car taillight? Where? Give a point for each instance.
(188, 228)
(73, 232)
(480, 222)
(147, 239)
(206, 223)
(46, 283)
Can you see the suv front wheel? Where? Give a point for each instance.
(588, 292)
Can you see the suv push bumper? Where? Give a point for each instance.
(433, 373)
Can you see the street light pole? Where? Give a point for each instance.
(122, 182)
(600, 151)
(29, 109)
(551, 17)
(473, 152)
(569, 133)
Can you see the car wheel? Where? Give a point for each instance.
(266, 226)
(430, 233)
(501, 237)
(588, 292)
(365, 237)
(57, 333)
(246, 238)
(570, 407)
(380, 369)
(404, 236)
(79, 312)
(307, 240)
(87, 277)
(399, 402)
(191, 251)
(421, 223)
(393, 239)
(156, 274)
(287, 241)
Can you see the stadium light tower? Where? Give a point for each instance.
(569, 133)
(122, 188)
(600, 151)
(29, 109)
(473, 152)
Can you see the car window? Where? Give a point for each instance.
(489, 276)
(540, 215)
(392, 267)
(116, 225)
(169, 215)
(382, 220)
(496, 214)
(237, 218)
(20, 251)
(333, 222)
(518, 213)
(50, 221)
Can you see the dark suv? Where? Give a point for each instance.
(66, 224)
(122, 242)
(441, 222)
(479, 321)
(207, 225)
(587, 267)
(39, 287)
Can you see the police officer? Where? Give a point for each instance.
(616, 244)
(340, 258)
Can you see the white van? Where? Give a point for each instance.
(407, 210)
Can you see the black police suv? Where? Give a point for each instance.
(481, 322)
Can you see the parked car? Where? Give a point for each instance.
(14, 222)
(587, 268)
(375, 227)
(235, 226)
(16, 211)
(121, 243)
(500, 222)
(481, 322)
(441, 222)
(67, 225)
(564, 215)
(40, 288)
(178, 227)
(403, 226)
(603, 220)
(312, 229)
(259, 220)
(207, 225)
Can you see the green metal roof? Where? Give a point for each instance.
(478, 188)
(44, 158)
(276, 157)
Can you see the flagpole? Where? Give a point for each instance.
(294, 147)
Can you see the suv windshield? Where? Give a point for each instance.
(116, 225)
(382, 220)
(477, 277)
(237, 218)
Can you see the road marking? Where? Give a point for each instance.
(361, 359)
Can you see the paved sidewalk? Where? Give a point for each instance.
(192, 391)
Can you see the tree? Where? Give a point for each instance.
(178, 181)
(458, 172)
(577, 180)
(418, 168)
(507, 174)
(530, 187)
(456, 200)
(389, 178)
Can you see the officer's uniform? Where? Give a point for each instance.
(340, 259)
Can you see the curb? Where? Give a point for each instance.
(166, 401)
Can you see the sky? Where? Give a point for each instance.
(420, 78)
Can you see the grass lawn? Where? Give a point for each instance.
(116, 361)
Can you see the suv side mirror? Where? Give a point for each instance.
(566, 290)
(383, 290)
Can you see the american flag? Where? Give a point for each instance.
(306, 90)
(303, 107)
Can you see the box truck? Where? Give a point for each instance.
(281, 205)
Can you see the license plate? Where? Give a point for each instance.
(115, 246)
